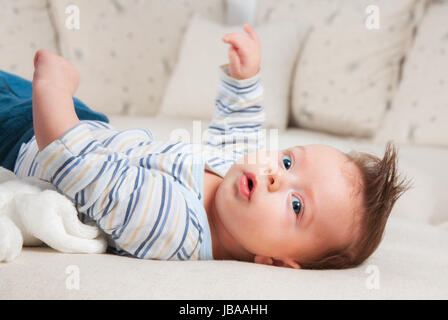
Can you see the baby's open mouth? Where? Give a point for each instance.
(247, 185)
(250, 184)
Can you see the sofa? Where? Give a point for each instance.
(352, 75)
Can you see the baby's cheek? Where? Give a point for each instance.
(265, 207)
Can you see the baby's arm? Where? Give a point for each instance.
(239, 114)
(137, 207)
(54, 82)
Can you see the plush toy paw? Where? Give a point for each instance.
(10, 240)
(52, 218)
(32, 212)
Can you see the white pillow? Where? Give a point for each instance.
(25, 28)
(125, 50)
(419, 113)
(347, 73)
(193, 86)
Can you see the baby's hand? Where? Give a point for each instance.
(244, 53)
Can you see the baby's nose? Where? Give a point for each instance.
(273, 182)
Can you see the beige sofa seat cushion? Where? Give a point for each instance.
(409, 264)
(25, 28)
(125, 50)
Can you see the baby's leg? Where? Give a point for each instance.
(55, 81)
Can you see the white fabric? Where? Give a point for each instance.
(125, 50)
(347, 73)
(202, 50)
(410, 263)
(32, 212)
(419, 113)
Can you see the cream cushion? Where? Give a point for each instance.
(419, 113)
(409, 264)
(193, 86)
(347, 72)
(25, 28)
(125, 50)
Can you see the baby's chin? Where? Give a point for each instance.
(227, 189)
(229, 207)
(226, 198)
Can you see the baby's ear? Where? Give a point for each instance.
(263, 260)
(290, 263)
(282, 262)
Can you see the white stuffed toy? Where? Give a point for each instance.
(32, 212)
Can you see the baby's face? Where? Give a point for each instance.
(301, 202)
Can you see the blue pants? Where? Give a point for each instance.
(16, 116)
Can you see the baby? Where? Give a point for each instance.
(304, 207)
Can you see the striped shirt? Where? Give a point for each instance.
(146, 194)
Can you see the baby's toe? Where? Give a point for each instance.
(42, 56)
(52, 69)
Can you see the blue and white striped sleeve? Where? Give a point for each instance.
(237, 126)
(142, 210)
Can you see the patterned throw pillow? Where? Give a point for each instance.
(419, 113)
(126, 50)
(348, 70)
(25, 28)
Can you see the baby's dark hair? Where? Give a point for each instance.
(381, 186)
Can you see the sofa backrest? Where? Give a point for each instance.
(126, 52)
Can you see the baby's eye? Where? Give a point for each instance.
(296, 204)
(286, 162)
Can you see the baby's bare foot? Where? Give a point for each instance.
(52, 70)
